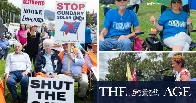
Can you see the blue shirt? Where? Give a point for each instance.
(173, 23)
(120, 25)
(4, 44)
(88, 35)
(75, 68)
(48, 67)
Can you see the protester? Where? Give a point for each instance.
(91, 56)
(47, 60)
(4, 47)
(88, 39)
(76, 63)
(20, 35)
(18, 66)
(173, 23)
(118, 24)
(178, 65)
(33, 41)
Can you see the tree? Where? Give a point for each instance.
(153, 64)
(117, 66)
(90, 19)
(7, 10)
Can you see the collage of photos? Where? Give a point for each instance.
(97, 51)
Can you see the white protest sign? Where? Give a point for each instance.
(95, 72)
(70, 21)
(32, 12)
(51, 90)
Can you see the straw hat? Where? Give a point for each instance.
(94, 42)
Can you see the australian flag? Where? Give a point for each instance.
(134, 76)
(70, 27)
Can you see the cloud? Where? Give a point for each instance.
(103, 62)
(50, 4)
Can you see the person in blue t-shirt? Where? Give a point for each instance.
(88, 39)
(118, 24)
(174, 24)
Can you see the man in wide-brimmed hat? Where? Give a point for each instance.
(91, 56)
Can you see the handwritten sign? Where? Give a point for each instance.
(70, 21)
(32, 12)
(51, 90)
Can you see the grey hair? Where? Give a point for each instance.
(48, 41)
(16, 43)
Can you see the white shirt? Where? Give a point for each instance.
(16, 62)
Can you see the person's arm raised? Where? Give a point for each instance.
(157, 26)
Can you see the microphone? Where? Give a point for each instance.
(164, 70)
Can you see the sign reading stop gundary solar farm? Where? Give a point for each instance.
(70, 21)
(32, 12)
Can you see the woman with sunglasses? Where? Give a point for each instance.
(33, 41)
(178, 65)
(174, 24)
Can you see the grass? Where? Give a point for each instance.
(144, 14)
(9, 98)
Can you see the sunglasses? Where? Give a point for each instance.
(121, 0)
(176, 2)
(33, 36)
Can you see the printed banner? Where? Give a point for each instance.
(32, 12)
(70, 20)
(51, 90)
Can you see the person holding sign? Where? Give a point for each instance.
(77, 61)
(118, 24)
(18, 66)
(33, 41)
(47, 61)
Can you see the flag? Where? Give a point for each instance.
(134, 76)
(128, 73)
(92, 15)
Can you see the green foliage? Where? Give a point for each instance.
(89, 18)
(8, 11)
(117, 66)
(151, 65)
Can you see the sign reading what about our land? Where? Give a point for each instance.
(51, 90)
(70, 21)
(32, 12)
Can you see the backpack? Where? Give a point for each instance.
(153, 44)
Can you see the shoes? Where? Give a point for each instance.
(84, 99)
(17, 100)
(23, 101)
